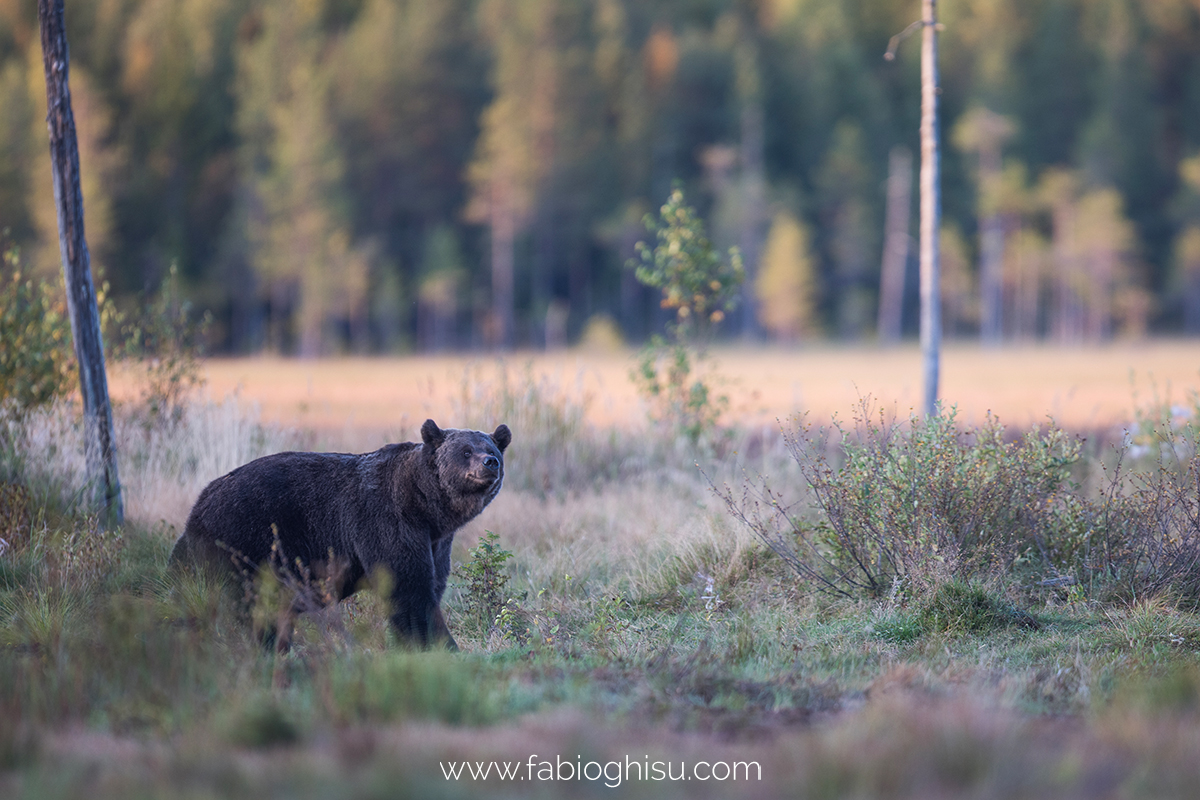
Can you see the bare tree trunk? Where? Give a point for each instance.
(1098, 311)
(931, 210)
(1066, 326)
(991, 286)
(504, 236)
(99, 447)
(753, 182)
(1028, 266)
(754, 214)
(543, 123)
(895, 245)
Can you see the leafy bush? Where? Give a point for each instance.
(36, 356)
(682, 400)
(923, 504)
(701, 286)
(694, 278)
(486, 579)
(1141, 538)
(35, 338)
(163, 336)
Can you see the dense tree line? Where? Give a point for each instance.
(374, 175)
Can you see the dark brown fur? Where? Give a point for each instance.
(396, 508)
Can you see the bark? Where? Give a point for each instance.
(99, 447)
(895, 248)
(931, 211)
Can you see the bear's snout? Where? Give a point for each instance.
(486, 468)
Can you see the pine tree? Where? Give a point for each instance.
(846, 213)
(301, 247)
(505, 170)
(406, 121)
(982, 132)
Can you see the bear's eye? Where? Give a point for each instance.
(467, 451)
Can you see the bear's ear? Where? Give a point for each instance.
(502, 436)
(431, 434)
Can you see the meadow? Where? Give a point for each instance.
(876, 608)
(1081, 388)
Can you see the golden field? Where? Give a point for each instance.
(1080, 388)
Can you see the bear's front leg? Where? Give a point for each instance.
(441, 566)
(419, 621)
(416, 616)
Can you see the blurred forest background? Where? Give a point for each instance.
(395, 175)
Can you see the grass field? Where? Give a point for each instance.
(1043, 644)
(1081, 388)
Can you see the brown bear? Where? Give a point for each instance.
(346, 515)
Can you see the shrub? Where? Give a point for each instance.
(1138, 537)
(486, 579)
(35, 339)
(1141, 539)
(922, 504)
(701, 286)
(682, 399)
(694, 278)
(165, 339)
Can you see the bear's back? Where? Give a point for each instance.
(293, 495)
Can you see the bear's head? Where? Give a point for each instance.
(467, 462)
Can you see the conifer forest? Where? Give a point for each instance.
(378, 176)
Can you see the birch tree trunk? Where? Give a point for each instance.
(99, 447)
(895, 245)
(931, 212)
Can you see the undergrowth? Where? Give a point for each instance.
(882, 507)
(970, 582)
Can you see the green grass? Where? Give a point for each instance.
(642, 621)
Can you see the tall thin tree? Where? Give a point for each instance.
(931, 210)
(753, 178)
(99, 447)
(931, 201)
(895, 245)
